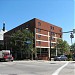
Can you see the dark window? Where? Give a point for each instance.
(53, 39)
(27, 25)
(39, 30)
(39, 42)
(60, 30)
(52, 44)
(39, 36)
(52, 33)
(60, 36)
(50, 27)
(20, 28)
(39, 24)
(53, 28)
(44, 51)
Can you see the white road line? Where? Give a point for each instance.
(59, 69)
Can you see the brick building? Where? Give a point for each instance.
(42, 32)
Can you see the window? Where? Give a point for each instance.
(39, 30)
(39, 42)
(27, 25)
(60, 30)
(50, 27)
(20, 28)
(60, 36)
(39, 36)
(39, 24)
(52, 33)
(53, 28)
(52, 44)
(53, 39)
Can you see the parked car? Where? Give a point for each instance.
(60, 58)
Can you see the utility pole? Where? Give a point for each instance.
(71, 36)
(50, 44)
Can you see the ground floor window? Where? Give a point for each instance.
(42, 53)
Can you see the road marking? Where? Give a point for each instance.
(59, 69)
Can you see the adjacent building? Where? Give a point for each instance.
(42, 33)
(2, 31)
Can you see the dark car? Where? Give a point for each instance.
(60, 58)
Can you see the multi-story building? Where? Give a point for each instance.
(42, 31)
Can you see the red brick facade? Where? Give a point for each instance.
(42, 31)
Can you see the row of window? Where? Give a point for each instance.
(39, 36)
(20, 28)
(51, 27)
(42, 51)
(39, 30)
(51, 33)
(39, 43)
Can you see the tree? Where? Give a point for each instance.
(22, 41)
(1, 46)
(63, 46)
(73, 47)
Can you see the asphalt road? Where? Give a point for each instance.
(37, 68)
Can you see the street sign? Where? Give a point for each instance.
(27, 42)
(73, 30)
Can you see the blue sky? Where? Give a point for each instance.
(57, 12)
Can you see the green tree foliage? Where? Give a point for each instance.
(73, 47)
(1, 46)
(63, 46)
(22, 41)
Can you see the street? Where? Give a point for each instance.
(39, 67)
